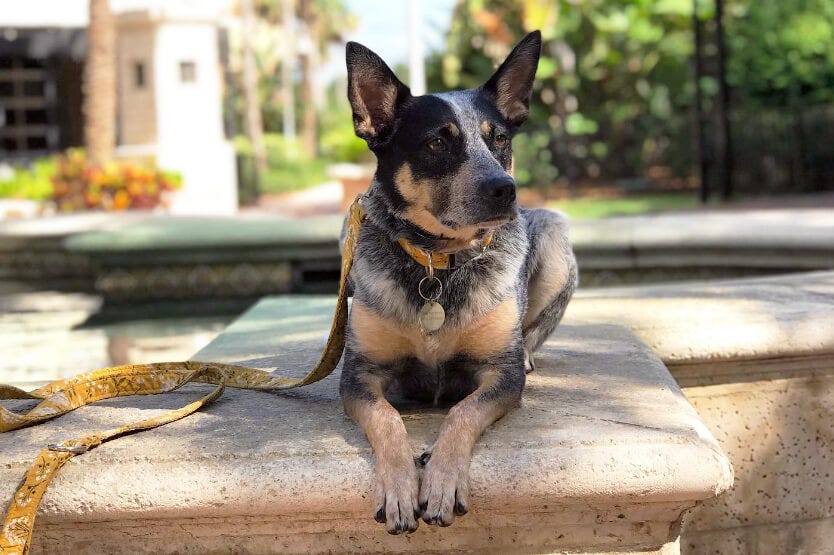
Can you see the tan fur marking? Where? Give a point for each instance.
(385, 430)
(492, 332)
(379, 339)
(453, 129)
(486, 127)
(509, 106)
(417, 194)
(365, 125)
(467, 420)
(397, 482)
(383, 340)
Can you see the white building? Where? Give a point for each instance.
(170, 89)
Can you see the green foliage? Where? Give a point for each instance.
(782, 53)
(532, 159)
(338, 141)
(611, 85)
(288, 169)
(32, 183)
(593, 208)
(325, 22)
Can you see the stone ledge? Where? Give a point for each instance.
(756, 358)
(605, 454)
(725, 331)
(648, 248)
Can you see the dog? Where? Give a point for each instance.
(454, 286)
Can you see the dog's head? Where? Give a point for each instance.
(444, 160)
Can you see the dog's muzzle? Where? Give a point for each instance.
(497, 196)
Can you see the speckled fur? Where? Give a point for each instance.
(529, 254)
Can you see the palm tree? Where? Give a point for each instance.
(252, 106)
(100, 84)
(326, 22)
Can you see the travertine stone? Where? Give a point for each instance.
(725, 331)
(780, 436)
(756, 359)
(604, 454)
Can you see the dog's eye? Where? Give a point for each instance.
(436, 145)
(501, 140)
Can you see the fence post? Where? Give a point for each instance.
(700, 130)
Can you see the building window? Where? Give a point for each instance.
(27, 126)
(139, 75)
(188, 72)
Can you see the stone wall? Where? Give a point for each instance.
(756, 359)
(780, 436)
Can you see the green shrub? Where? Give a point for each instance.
(33, 183)
(287, 168)
(293, 176)
(339, 142)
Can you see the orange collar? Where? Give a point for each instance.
(437, 260)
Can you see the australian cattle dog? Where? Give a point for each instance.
(454, 285)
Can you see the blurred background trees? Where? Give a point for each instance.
(615, 89)
(614, 99)
(615, 110)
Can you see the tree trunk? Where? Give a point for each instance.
(100, 84)
(252, 107)
(309, 66)
(725, 135)
(287, 93)
(799, 181)
(700, 127)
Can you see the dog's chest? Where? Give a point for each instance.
(386, 339)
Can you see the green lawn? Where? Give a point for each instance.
(592, 208)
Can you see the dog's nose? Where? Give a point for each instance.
(500, 190)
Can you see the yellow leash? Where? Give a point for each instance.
(63, 396)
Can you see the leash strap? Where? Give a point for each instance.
(63, 396)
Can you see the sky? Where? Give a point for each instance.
(383, 27)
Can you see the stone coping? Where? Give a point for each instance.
(178, 232)
(742, 329)
(804, 228)
(777, 231)
(605, 452)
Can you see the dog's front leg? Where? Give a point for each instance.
(445, 489)
(363, 388)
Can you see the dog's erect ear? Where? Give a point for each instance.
(511, 86)
(374, 92)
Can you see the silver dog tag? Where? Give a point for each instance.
(432, 317)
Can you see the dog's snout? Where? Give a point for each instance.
(500, 190)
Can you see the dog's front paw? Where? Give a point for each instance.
(444, 492)
(397, 488)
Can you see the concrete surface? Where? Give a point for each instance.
(604, 455)
(756, 359)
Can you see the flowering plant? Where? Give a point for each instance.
(79, 185)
